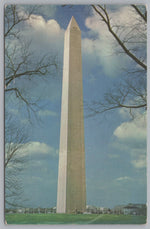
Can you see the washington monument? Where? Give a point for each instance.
(71, 191)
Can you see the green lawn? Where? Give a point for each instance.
(73, 219)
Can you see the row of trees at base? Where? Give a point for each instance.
(130, 209)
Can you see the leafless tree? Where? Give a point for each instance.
(131, 91)
(20, 64)
(20, 61)
(16, 140)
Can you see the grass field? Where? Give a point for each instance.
(73, 219)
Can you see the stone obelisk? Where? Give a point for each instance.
(71, 190)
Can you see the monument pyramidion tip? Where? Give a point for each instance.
(73, 24)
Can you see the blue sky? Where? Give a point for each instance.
(115, 145)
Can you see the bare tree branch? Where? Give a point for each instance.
(13, 17)
(129, 92)
(143, 15)
(105, 17)
(20, 62)
(15, 141)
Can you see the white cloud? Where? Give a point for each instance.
(103, 48)
(47, 113)
(38, 147)
(134, 130)
(100, 51)
(50, 27)
(37, 29)
(124, 16)
(46, 33)
(33, 148)
(131, 138)
(44, 36)
(125, 178)
(140, 162)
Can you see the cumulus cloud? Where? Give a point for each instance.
(42, 35)
(47, 35)
(47, 38)
(131, 137)
(44, 38)
(38, 147)
(103, 48)
(38, 23)
(32, 149)
(50, 27)
(134, 130)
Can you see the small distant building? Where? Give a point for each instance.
(130, 210)
(91, 209)
(135, 209)
(20, 210)
(54, 209)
